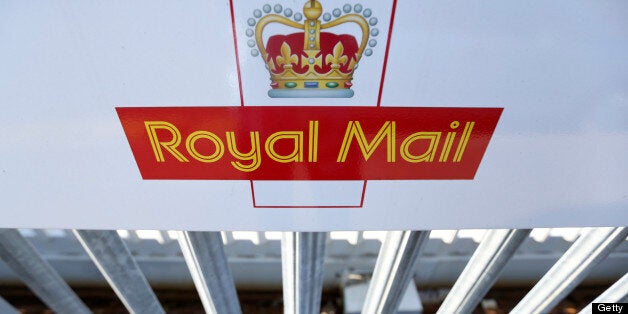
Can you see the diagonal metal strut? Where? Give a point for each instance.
(591, 248)
(37, 274)
(117, 265)
(205, 256)
(483, 269)
(393, 270)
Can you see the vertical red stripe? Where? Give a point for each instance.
(253, 193)
(363, 193)
(235, 42)
(390, 29)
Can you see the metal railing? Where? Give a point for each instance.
(302, 256)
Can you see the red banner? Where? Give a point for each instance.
(308, 143)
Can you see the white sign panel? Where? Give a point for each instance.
(313, 115)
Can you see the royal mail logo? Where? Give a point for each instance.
(315, 143)
(292, 57)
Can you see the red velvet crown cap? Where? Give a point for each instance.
(327, 43)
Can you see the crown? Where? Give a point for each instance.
(313, 62)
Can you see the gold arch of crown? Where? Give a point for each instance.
(312, 10)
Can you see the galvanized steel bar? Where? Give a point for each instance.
(302, 255)
(7, 308)
(37, 274)
(117, 265)
(591, 248)
(483, 269)
(393, 270)
(205, 256)
(617, 293)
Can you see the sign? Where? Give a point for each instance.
(313, 115)
(315, 143)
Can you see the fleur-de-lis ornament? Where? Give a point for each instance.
(287, 58)
(337, 59)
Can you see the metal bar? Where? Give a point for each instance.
(302, 255)
(354, 294)
(617, 293)
(205, 256)
(483, 269)
(7, 308)
(591, 248)
(37, 274)
(165, 237)
(117, 265)
(393, 270)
